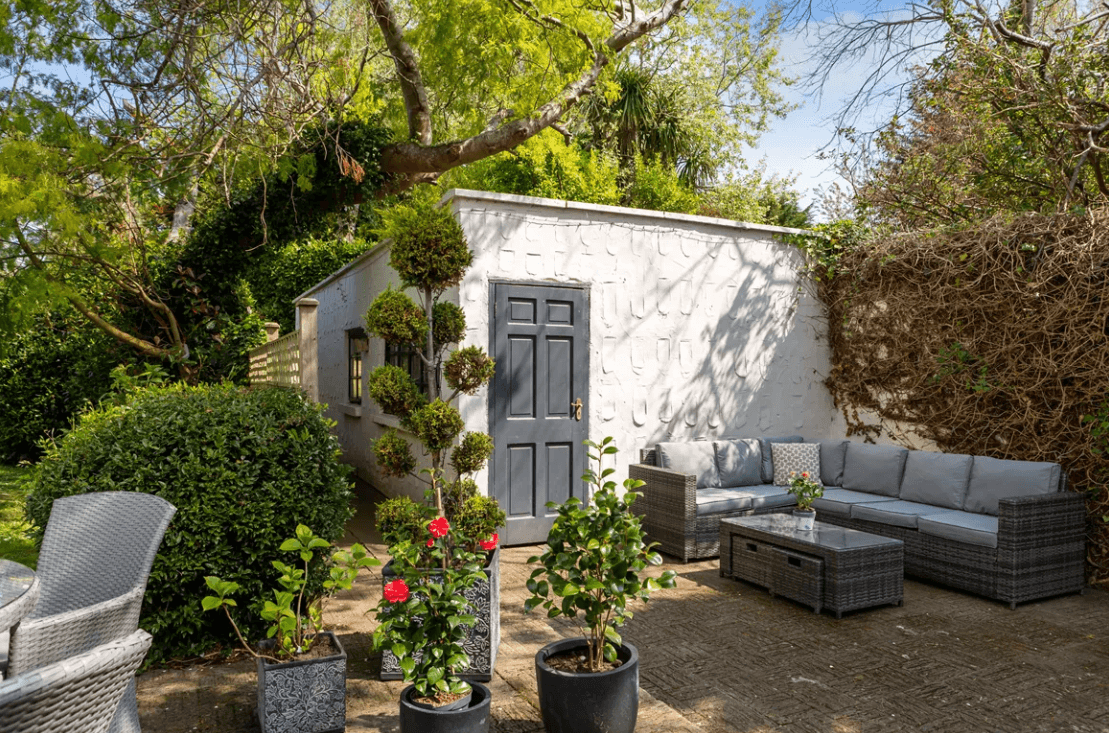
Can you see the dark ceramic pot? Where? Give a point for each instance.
(599, 702)
(471, 719)
(303, 696)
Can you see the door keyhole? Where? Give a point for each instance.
(576, 404)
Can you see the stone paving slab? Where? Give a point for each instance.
(718, 655)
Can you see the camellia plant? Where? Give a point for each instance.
(296, 617)
(594, 558)
(804, 489)
(424, 617)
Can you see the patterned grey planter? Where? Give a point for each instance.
(484, 638)
(305, 696)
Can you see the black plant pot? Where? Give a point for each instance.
(303, 696)
(598, 702)
(473, 719)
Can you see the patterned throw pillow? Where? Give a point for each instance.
(795, 457)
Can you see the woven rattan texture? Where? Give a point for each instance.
(75, 695)
(19, 608)
(95, 544)
(851, 579)
(1040, 550)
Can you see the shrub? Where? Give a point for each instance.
(47, 375)
(243, 467)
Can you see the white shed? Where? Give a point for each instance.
(642, 325)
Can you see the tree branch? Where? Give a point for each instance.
(408, 72)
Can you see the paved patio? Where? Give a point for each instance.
(720, 655)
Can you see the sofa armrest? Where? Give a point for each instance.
(666, 490)
(1025, 522)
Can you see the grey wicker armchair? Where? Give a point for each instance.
(95, 559)
(74, 695)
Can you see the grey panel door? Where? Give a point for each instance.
(540, 342)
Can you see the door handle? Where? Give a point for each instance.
(576, 405)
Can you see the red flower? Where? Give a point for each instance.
(489, 544)
(439, 527)
(396, 591)
(804, 474)
(430, 543)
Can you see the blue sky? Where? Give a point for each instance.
(792, 145)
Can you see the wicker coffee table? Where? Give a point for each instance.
(828, 567)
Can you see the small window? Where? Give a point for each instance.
(407, 357)
(356, 346)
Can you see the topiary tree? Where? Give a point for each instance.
(244, 467)
(430, 254)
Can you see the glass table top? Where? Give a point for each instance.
(822, 535)
(15, 580)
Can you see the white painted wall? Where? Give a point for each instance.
(698, 327)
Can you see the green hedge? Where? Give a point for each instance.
(242, 466)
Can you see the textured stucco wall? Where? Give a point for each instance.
(698, 328)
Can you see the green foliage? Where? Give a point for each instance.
(243, 467)
(593, 560)
(659, 188)
(394, 391)
(429, 250)
(290, 268)
(295, 618)
(468, 369)
(430, 617)
(478, 519)
(47, 375)
(449, 324)
(471, 453)
(825, 244)
(16, 542)
(436, 424)
(455, 494)
(804, 488)
(545, 165)
(402, 520)
(393, 454)
(396, 318)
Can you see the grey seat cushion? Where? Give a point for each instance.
(968, 527)
(718, 501)
(795, 458)
(992, 479)
(739, 462)
(840, 501)
(691, 457)
(874, 469)
(768, 454)
(895, 512)
(939, 479)
(832, 454)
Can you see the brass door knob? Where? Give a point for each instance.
(576, 404)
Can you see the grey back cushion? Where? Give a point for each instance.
(768, 454)
(832, 453)
(992, 479)
(695, 457)
(739, 462)
(939, 479)
(795, 458)
(875, 469)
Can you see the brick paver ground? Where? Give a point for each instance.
(720, 655)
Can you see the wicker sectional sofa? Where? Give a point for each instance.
(1008, 530)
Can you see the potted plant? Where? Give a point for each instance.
(591, 567)
(806, 491)
(424, 619)
(430, 255)
(301, 667)
(474, 520)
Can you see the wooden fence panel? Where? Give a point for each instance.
(277, 362)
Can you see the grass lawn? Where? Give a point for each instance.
(14, 542)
